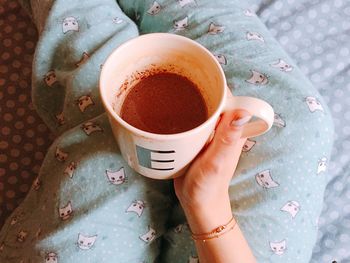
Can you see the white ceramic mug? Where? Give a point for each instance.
(164, 156)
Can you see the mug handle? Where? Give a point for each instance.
(257, 108)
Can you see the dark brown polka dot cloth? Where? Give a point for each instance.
(24, 138)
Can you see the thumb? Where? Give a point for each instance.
(227, 139)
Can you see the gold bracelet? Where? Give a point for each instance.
(219, 231)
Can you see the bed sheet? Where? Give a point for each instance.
(316, 33)
(24, 138)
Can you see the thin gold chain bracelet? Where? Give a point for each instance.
(217, 232)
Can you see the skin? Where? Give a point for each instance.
(203, 193)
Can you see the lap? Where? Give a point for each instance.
(87, 205)
(277, 191)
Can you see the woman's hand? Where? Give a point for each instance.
(203, 193)
(203, 190)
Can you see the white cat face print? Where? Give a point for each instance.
(69, 171)
(278, 121)
(83, 59)
(248, 145)
(61, 155)
(254, 36)
(37, 233)
(154, 9)
(221, 59)
(291, 207)
(50, 78)
(192, 259)
(179, 228)
(322, 165)
(282, 66)
(51, 257)
(22, 236)
(84, 101)
(183, 3)
(313, 104)
(215, 29)
(36, 184)
(91, 127)
(249, 13)
(70, 24)
(137, 16)
(60, 118)
(149, 236)
(181, 24)
(66, 211)
(116, 177)
(16, 218)
(136, 207)
(258, 78)
(117, 20)
(264, 179)
(278, 248)
(86, 242)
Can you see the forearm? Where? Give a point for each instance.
(230, 247)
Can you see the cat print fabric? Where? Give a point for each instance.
(154, 9)
(116, 177)
(291, 207)
(50, 78)
(278, 247)
(86, 242)
(84, 102)
(83, 59)
(313, 104)
(149, 236)
(248, 145)
(184, 3)
(88, 205)
(181, 24)
(136, 207)
(322, 165)
(69, 171)
(264, 179)
(66, 211)
(221, 59)
(254, 36)
(258, 78)
(70, 24)
(91, 127)
(282, 66)
(51, 257)
(215, 29)
(60, 155)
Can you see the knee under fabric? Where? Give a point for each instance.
(87, 205)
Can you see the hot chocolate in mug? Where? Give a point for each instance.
(165, 156)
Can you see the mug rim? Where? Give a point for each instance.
(150, 135)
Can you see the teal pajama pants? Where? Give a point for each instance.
(88, 205)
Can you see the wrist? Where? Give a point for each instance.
(204, 217)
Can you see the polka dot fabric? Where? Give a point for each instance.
(316, 34)
(24, 138)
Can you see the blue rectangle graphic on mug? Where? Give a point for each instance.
(156, 159)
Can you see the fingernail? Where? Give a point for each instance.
(241, 122)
